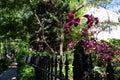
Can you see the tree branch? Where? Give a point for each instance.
(79, 7)
(41, 28)
(61, 41)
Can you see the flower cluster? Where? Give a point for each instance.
(70, 21)
(90, 44)
(106, 51)
(91, 20)
(103, 50)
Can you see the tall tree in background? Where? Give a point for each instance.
(43, 19)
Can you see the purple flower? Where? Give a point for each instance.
(106, 57)
(90, 24)
(70, 21)
(96, 20)
(71, 44)
(90, 20)
(71, 15)
(85, 32)
(67, 28)
(76, 21)
(87, 16)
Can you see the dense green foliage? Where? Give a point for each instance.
(26, 72)
(29, 25)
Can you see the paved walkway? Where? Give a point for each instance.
(10, 73)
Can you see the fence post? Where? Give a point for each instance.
(91, 74)
(37, 71)
(110, 72)
(60, 66)
(49, 63)
(45, 67)
(78, 71)
(52, 65)
(66, 68)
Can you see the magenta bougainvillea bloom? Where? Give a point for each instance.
(91, 20)
(71, 21)
(71, 44)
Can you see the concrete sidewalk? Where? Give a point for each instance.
(10, 73)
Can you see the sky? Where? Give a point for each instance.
(114, 6)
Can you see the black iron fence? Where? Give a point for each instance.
(54, 68)
(49, 68)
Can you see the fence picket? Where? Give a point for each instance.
(52, 65)
(79, 65)
(37, 71)
(77, 69)
(66, 67)
(49, 62)
(60, 67)
(46, 68)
